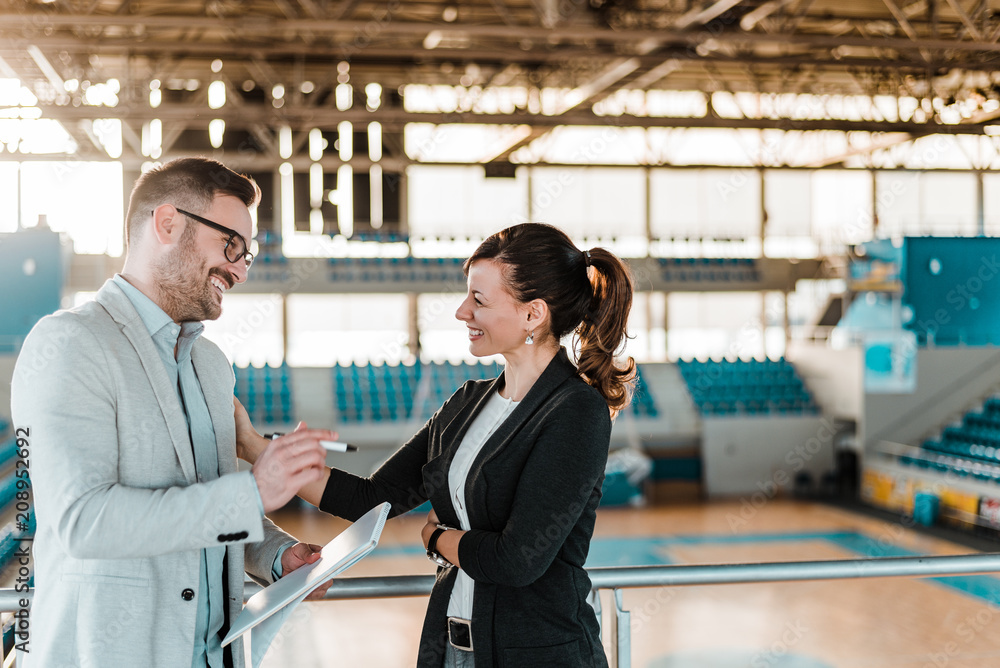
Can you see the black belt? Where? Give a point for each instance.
(460, 633)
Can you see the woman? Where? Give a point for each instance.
(513, 466)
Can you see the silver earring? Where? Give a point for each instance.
(531, 339)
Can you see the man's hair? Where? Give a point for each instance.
(188, 183)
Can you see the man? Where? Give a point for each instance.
(144, 525)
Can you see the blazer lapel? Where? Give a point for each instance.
(120, 308)
(219, 398)
(435, 471)
(558, 370)
(453, 433)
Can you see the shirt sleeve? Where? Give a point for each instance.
(276, 567)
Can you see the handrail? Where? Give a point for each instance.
(397, 586)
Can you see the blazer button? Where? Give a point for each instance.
(187, 594)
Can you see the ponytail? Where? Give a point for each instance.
(603, 331)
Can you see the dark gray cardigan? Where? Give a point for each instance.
(532, 494)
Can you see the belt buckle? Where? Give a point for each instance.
(460, 633)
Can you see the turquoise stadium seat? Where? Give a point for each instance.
(266, 393)
(643, 402)
(968, 449)
(366, 393)
(752, 387)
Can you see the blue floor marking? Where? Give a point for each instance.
(399, 551)
(633, 551)
(726, 539)
(983, 587)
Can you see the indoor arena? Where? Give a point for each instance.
(628, 333)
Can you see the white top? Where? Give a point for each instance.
(492, 416)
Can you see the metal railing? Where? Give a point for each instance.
(616, 579)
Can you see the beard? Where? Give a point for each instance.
(181, 278)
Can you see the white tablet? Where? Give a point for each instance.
(338, 555)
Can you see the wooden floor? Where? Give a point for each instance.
(920, 623)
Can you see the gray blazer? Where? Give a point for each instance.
(121, 517)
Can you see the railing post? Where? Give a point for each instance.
(595, 602)
(621, 634)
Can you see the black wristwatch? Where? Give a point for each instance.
(432, 547)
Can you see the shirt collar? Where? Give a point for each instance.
(156, 319)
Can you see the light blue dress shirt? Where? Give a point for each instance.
(168, 336)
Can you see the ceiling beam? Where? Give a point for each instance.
(398, 58)
(503, 12)
(131, 139)
(311, 9)
(881, 143)
(877, 144)
(698, 16)
(966, 20)
(199, 115)
(46, 68)
(654, 75)
(901, 19)
(592, 91)
(343, 8)
(16, 26)
(243, 161)
(7, 71)
(754, 17)
(321, 53)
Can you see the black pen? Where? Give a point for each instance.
(332, 446)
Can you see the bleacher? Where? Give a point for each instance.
(266, 393)
(270, 263)
(398, 269)
(643, 403)
(369, 393)
(747, 387)
(708, 269)
(969, 449)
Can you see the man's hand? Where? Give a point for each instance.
(289, 463)
(299, 555)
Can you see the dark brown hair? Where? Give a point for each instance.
(188, 183)
(588, 293)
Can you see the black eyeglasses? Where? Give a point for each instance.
(236, 245)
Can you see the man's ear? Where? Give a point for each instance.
(168, 224)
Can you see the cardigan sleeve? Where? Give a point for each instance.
(398, 481)
(400, 478)
(559, 477)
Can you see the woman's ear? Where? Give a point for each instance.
(537, 313)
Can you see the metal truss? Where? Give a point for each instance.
(940, 52)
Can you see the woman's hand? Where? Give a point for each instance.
(249, 444)
(447, 545)
(431, 524)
